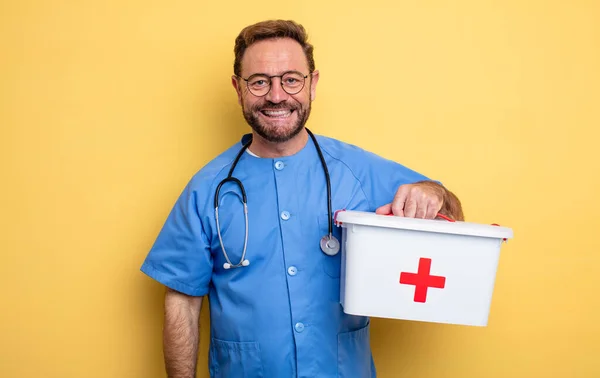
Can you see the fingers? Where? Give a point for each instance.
(410, 208)
(416, 206)
(384, 210)
(433, 207)
(421, 211)
(399, 205)
(413, 201)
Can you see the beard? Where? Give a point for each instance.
(277, 133)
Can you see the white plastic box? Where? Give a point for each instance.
(418, 269)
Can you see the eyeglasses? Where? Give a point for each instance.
(292, 82)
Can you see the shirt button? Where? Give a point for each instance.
(292, 270)
(285, 215)
(279, 165)
(299, 327)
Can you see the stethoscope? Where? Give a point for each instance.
(329, 243)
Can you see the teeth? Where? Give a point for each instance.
(277, 113)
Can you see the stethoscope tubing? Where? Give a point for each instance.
(329, 244)
(229, 178)
(327, 181)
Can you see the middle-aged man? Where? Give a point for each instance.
(273, 290)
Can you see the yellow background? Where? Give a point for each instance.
(108, 107)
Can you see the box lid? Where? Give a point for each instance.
(428, 225)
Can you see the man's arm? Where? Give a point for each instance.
(180, 334)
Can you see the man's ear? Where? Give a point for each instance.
(238, 88)
(313, 85)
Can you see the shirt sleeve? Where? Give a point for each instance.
(381, 178)
(180, 257)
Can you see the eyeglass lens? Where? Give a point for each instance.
(292, 83)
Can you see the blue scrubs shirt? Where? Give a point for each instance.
(281, 315)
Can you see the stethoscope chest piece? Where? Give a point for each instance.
(330, 245)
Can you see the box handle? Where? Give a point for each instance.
(440, 215)
(335, 221)
(445, 217)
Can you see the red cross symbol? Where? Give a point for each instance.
(422, 280)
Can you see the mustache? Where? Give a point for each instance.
(273, 106)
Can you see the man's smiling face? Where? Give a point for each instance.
(277, 116)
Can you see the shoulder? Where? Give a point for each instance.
(216, 168)
(365, 164)
(351, 155)
(336, 147)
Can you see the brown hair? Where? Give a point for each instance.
(267, 30)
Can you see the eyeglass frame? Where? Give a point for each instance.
(271, 81)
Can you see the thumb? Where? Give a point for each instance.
(384, 210)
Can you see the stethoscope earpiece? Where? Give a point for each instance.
(244, 263)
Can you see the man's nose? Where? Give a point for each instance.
(276, 94)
